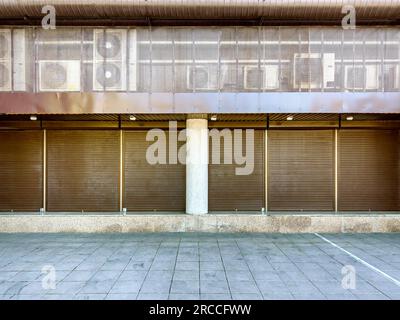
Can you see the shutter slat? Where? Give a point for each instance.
(368, 170)
(158, 187)
(21, 173)
(83, 170)
(230, 192)
(301, 170)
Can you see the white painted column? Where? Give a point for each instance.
(197, 166)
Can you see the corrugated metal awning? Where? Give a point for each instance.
(311, 10)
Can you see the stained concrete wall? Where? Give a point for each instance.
(207, 223)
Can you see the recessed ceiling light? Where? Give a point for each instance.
(213, 118)
(289, 118)
(33, 118)
(132, 117)
(349, 118)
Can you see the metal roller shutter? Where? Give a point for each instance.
(21, 174)
(368, 170)
(147, 187)
(229, 191)
(301, 170)
(83, 170)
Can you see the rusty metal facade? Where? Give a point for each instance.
(145, 103)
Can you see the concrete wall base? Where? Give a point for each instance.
(207, 223)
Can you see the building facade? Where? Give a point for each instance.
(320, 102)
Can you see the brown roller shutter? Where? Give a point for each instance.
(21, 173)
(150, 187)
(301, 170)
(368, 170)
(83, 170)
(228, 191)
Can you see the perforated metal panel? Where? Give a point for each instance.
(21, 170)
(150, 187)
(229, 191)
(301, 170)
(202, 59)
(83, 170)
(368, 170)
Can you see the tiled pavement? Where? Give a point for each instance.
(196, 266)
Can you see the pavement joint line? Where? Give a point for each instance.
(395, 281)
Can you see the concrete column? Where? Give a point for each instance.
(197, 166)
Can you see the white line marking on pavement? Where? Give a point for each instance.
(395, 281)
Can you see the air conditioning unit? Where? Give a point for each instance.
(201, 78)
(5, 60)
(109, 70)
(313, 70)
(360, 77)
(268, 74)
(59, 75)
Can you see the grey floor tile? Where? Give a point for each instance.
(96, 296)
(26, 276)
(97, 287)
(211, 265)
(308, 296)
(105, 275)
(121, 296)
(214, 287)
(138, 265)
(215, 296)
(7, 275)
(180, 296)
(243, 287)
(27, 297)
(212, 275)
(152, 296)
(266, 275)
(187, 266)
(340, 297)
(154, 286)
(185, 286)
(186, 275)
(239, 275)
(126, 287)
(272, 286)
(130, 275)
(277, 296)
(79, 275)
(372, 297)
(236, 265)
(163, 265)
(160, 275)
(247, 296)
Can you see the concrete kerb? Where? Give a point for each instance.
(282, 223)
